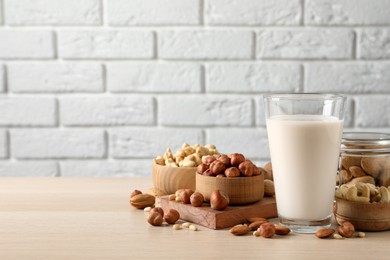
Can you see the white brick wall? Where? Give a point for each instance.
(26, 44)
(153, 12)
(99, 87)
(52, 12)
(253, 12)
(347, 12)
(305, 43)
(154, 77)
(105, 44)
(27, 111)
(205, 44)
(57, 143)
(96, 111)
(54, 77)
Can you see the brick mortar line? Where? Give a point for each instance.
(157, 94)
(190, 27)
(188, 61)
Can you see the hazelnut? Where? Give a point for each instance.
(135, 192)
(267, 230)
(256, 170)
(202, 168)
(158, 210)
(208, 159)
(217, 167)
(155, 219)
(208, 173)
(221, 176)
(196, 199)
(232, 172)
(236, 159)
(219, 200)
(185, 196)
(246, 168)
(346, 229)
(171, 216)
(224, 159)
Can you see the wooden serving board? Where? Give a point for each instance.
(215, 219)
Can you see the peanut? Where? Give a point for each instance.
(176, 227)
(337, 236)
(193, 227)
(186, 225)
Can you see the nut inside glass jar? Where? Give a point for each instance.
(365, 157)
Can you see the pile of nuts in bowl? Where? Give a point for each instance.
(374, 170)
(187, 155)
(363, 192)
(232, 165)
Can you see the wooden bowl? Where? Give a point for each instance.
(241, 190)
(169, 179)
(364, 216)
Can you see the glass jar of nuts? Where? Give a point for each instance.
(363, 195)
(365, 157)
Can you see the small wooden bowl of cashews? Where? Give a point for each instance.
(174, 171)
(365, 205)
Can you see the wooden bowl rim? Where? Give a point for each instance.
(168, 166)
(357, 203)
(227, 179)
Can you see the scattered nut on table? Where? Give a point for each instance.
(219, 200)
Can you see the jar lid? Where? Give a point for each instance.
(365, 142)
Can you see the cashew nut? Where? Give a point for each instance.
(352, 194)
(202, 150)
(373, 189)
(188, 163)
(159, 160)
(179, 153)
(385, 194)
(210, 146)
(213, 151)
(185, 145)
(356, 171)
(168, 154)
(346, 175)
(373, 165)
(365, 179)
(339, 194)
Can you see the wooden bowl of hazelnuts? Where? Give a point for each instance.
(239, 178)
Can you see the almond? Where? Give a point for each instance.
(251, 220)
(255, 225)
(324, 232)
(141, 201)
(240, 230)
(281, 230)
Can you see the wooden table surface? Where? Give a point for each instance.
(90, 218)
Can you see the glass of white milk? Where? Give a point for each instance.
(304, 133)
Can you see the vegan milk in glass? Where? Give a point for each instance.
(304, 133)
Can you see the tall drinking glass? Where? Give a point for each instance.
(304, 133)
